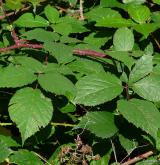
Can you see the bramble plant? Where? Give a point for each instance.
(79, 82)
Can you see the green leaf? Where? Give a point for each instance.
(53, 67)
(33, 65)
(96, 39)
(156, 16)
(9, 141)
(122, 56)
(68, 108)
(143, 114)
(115, 22)
(139, 13)
(68, 24)
(51, 13)
(86, 66)
(25, 157)
(93, 121)
(100, 13)
(97, 88)
(149, 49)
(16, 76)
(157, 1)
(62, 52)
(148, 88)
(63, 28)
(66, 39)
(111, 3)
(14, 5)
(141, 69)
(41, 35)
(128, 144)
(146, 28)
(123, 39)
(4, 151)
(30, 110)
(28, 20)
(58, 84)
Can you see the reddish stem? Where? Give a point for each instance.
(138, 158)
(23, 44)
(127, 91)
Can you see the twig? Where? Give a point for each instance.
(13, 12)
(42, 158)
(63, 124)
(89, 52)
(17, 46)
(132, 151)
(138, 158)
(81, 9)
(5, 124)
(114, 151)
(156, 41)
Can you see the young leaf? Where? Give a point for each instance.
(139, 13)
(93, 121)
(97, 88)
(16, 76)
(148, 88)
(25, 157)
(142, 68)
(4, 151)
(123, 39)
(30, 110)
(28, 20)
(143, 114)
(58, 84)
(51, 13)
